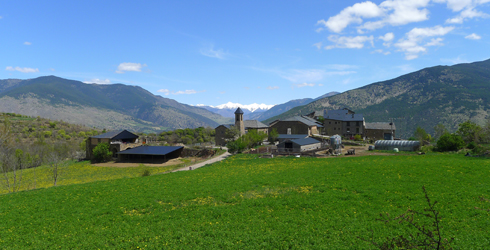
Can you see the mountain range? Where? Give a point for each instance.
(113, 106)
(260, 111)
(448, 95)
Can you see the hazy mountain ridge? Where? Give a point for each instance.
(442, 94)
(281, 108)
(139, 108)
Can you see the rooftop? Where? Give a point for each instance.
(150, 150)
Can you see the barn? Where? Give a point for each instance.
(150, 153)
(299, 145)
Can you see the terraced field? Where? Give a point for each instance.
(246, 202)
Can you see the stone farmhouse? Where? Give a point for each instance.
(380, 130)
(347, 123)
(343, 122)
(297, 125)
(241, 125)
(118, 141)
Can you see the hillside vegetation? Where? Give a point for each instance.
(448, 95)
(251, 203)
(113, 106)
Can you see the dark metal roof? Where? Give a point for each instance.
(295, 136)
(238, 111)
(150, 150)
(117, 134)
(380, 125)
(305, 141)
(342, 115)
(254, 124)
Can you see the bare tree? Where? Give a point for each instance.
(11, 161)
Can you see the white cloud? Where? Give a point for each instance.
(129, 67)
(320, 84)
(222, 92)
(318, 45)
(185, 92)
(382, 52)
(467, 9)
(304, 85)
(389, 12)
(52, 69)
(211, 52)
(388, 37)
(99, 81)
(356, 42)
(411, 44)
(473, 37)
(456, 60)
(164, 91)
(180, 92)
(1, 17)
(27, 43)
(273, 87)
(351, 14)
(23, 70)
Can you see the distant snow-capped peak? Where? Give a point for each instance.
(251, 107)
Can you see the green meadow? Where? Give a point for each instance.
(246, 202)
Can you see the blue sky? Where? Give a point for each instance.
(213, 52)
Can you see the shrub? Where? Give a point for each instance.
(357, 138)
(101, 152)
(450, 142)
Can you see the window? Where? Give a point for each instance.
(98, 140)
(348, 123)
(289, 131)
(357, 124)
(329, 122)
(357, 130)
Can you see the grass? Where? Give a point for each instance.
(81, 172)
(252, 203)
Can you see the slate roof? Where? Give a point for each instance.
(343, 115)
(305, 141)
(306, 120)
(295, 136)
(150, 150)
(254, 124)
(238, 111)
(380, 125)
(116, 134)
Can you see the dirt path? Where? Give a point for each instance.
(201, 164)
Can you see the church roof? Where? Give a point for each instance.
(239, 111)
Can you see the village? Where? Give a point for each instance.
(318, 134)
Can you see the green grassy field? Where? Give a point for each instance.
(251, 203)
(78, 173)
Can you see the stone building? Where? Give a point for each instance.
(243, 126)
(297, 125)
(343, 122)
(380, 130)
(118, 141)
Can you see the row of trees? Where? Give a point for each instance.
(246, 141)
(469, 135)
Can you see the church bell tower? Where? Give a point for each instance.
(239, 121)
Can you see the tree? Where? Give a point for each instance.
(470, 132)
(439, 130)
(273, 135)
(450, 142)
(421, 135)
(101, 152)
